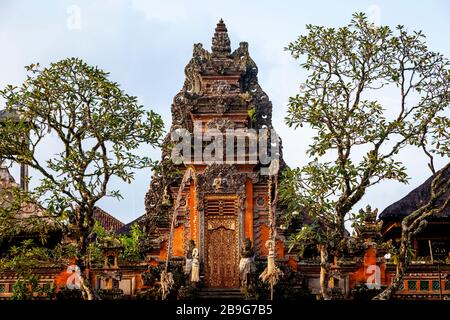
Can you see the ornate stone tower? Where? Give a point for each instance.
(217, 205)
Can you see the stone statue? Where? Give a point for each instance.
(188, 265)
(247, 263)
(271, 273)
(195, 273)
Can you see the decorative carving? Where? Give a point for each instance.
(235, 179)
(217, 83)
(220, 124)
(183, 202)
(195, 275)
(200, 54)
(221, 107)
(220, 41)
(247, 265)
(220, 87)
(260, 201)
(222, 223)
(221, 259)
(220, 183)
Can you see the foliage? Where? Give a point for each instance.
(414, 223)
(151, 279)
(96, 124)
(29, 255)
(252, 113)
(29, 289)
(393, 250)
(96, 128)
(20, 213)
(94, 249)
(357, 138)
(131, 244)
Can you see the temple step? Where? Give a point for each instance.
(226, 293)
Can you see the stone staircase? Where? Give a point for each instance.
(227, 293)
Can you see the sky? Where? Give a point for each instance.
(145, 46)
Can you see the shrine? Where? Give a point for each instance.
(217, 204)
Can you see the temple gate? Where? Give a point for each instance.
(224, 200)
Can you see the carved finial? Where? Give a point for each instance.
(220, 41)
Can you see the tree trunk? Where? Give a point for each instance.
(85, 287)
(402, 264)
(83, 263)
(389, 291)
(414, 223)
(324, 272)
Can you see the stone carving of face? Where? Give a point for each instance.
(220, 183)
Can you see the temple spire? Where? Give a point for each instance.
(220, 41)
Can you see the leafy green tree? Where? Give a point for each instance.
(131, 244)
(357, 139)
(24, 259)
(96, 127)
(30, 288)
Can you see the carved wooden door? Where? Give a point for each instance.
(221, 242)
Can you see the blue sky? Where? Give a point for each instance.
(145, 45)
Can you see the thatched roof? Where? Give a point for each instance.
(415, 199)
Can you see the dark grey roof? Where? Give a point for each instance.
(127, 228)
(416, 198)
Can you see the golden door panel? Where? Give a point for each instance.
(221, 263)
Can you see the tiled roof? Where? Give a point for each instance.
(28, 209)
(6, 179)
(107, 221)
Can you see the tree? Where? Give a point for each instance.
(437, 202)
(131, 244)
(97, 128)
(357, 140)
